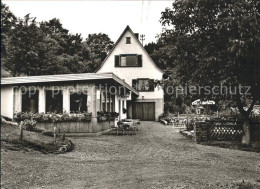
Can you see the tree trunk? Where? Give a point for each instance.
(246, 124)
(246, 133)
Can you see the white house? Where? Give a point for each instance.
(127, 67)
(130, 61)
(64, 93)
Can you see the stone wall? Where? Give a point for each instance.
(201, 132)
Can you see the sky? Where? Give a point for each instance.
(87, 17)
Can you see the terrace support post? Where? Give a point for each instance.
(113, 103)
(101, 100)
(42, 100)
(92, 95)
(98, 103)
(125, 103)
(120, 108)
(116, 109)
(17, 100)
(106, 100)
(116, 104)
(110, 108)
(66, 100)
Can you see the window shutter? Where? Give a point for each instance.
(134, 82)
(116, 60)
(151, 82)
(140, 61)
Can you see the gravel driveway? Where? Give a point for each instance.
(157, 157)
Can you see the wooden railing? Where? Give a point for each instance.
(224, 130)
(76, 126)
(218, 130)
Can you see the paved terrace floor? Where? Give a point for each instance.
(157, 157)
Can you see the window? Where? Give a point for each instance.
(128, 40)
(54, 101)
(128, 60)
(143, 84)
(78, 102)
(30, 101)
(109, 103)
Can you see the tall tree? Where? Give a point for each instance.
(218, 43)
(30, 52)
(99, 45)
(70, 44)
(45, 48)
(8, 22)
(163, 52)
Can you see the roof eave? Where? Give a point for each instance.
(94, 76)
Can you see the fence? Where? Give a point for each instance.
(183, 120)
(224, 130)
(179, 122)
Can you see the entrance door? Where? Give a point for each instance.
(144, 111)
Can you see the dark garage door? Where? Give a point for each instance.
(144, 111)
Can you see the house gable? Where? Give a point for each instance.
(133, 73)
(122, 46)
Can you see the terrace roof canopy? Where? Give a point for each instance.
(68, 78)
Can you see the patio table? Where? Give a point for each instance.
(130, 126)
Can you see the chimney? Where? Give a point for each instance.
(137, 35)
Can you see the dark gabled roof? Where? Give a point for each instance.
(125, 30)
(64, 78)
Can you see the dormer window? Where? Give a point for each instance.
(128, 40)
(128, 60)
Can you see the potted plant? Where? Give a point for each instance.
(101, 116)
(87, 116)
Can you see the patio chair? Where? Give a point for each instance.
(138, 124)
(133, 128)
(114, 127)
(121, 127)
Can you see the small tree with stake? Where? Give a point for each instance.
(218, 42)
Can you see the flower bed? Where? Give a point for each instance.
(52, 117)
(68, 123)
(76, 126)
(106, 116)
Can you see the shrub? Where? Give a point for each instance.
(48, 133)
(29, 124)
(106, 116)
(190, 125)
(114, 114)
(65, 117)
(52, 117)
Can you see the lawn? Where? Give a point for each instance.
(157, 157)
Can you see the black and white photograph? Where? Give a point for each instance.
(135, 94)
